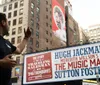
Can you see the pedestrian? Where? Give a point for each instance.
(6, 49)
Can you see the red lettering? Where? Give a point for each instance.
(70, 65)
(77, 64)
(60, 66)
(85, 63)
(93, 62)
(98, 61)
(91, 56)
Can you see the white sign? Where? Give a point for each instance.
(74, 63)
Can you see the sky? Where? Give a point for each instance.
(0, 1)
(86, 12)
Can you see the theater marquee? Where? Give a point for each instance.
(74, 63)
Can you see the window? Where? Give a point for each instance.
(37, 44)
(32, 31)
(9, 15)
(4, 8)
(32, 13)
(13, 31)
(46, 40)
(32, 22)
(38, 15)
(19, 30)
(37, 26)
(51, 34)
(14, 22)
(19, 39)
(32, 5)
(18, 60)
(46, 16)
(10, 6)
(50, 5)
(16, 5)
(50, 19)
(31, 41)
(20, 20)
(15, 13)
(46, 48)
(51, 42)
(50, 27)
(46, 2)
(47, 9)
(37, 34)
(47, 32)
(37, 19)
(50, 12)
(38, 2)
(9, 23)
(13, 40)
(21, 11)
(21, 3)
(38, 9)
(47, 24)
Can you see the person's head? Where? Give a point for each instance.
(4, 24)
(57, 18)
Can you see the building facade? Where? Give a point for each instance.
(68, 3)
(83, 36)
(40, 16)
(93, 33)
(73, 32)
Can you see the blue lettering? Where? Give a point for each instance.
(60, 74)
(63, 54)
(91, 50)
(77, 52)
(96, 49)
(56, 74)
(82, 71)
(85, 51)
(81, 51)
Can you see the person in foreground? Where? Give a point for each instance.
(6, 49)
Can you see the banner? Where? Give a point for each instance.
(74, 63)
(39, 67)
(58, 19)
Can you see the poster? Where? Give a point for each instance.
(39, 67)
(74, 63)
(58, 19)
(17, 71)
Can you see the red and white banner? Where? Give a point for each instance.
(58, 20)
(39, 67)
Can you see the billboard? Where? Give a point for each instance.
(74, 63)
(58, 19)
